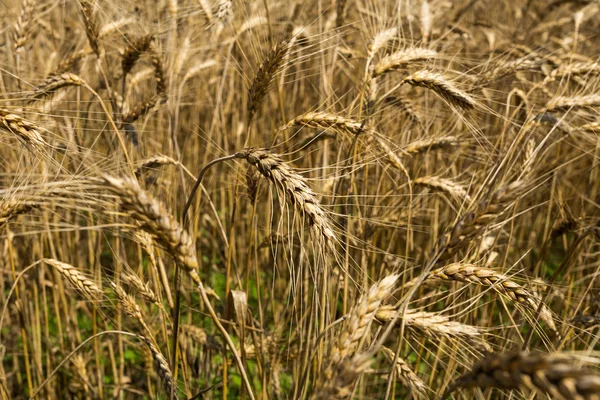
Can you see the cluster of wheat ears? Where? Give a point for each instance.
(303, 199)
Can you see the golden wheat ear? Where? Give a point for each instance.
(442, 86)
(556, 375)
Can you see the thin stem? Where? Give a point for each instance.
(71, 354)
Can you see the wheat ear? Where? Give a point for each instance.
(162, 367)
(26, 131)
(555, 375)
(445, 185)
(157, 221)
(83, 284)
(328, 121)
(399, 59)
(489, 278)
(294, 185)
(443, 87)
(264, 77)
(405, 373)
(55, 83)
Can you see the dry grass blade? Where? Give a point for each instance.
(157, 221)
(443, 87)
(400, 58)
(405, 373)
(296, 190)
(264, 77)
(552, 374)
(83, 284)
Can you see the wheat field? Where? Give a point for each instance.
(303, 199)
